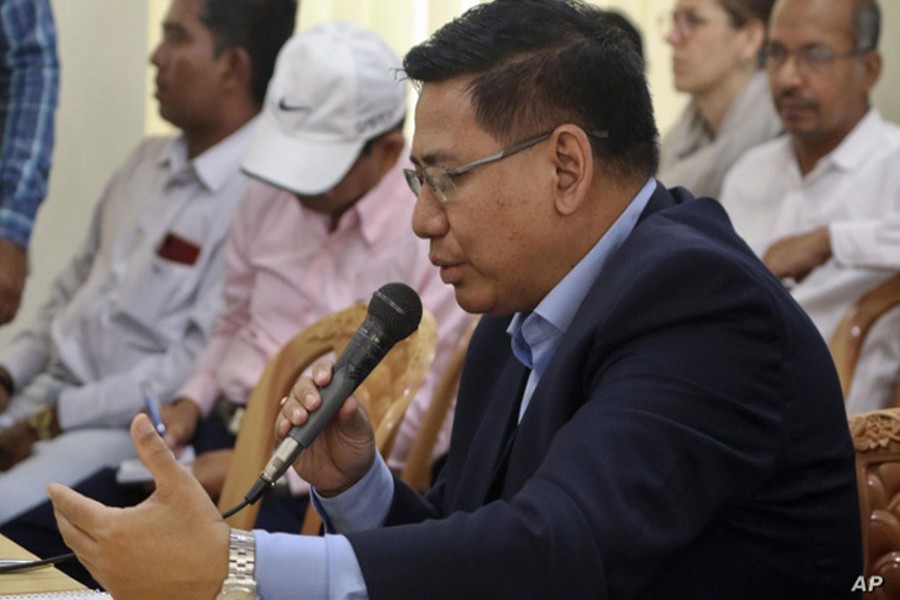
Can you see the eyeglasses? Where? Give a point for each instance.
(683, 22)
(440, 179)
(810, 59)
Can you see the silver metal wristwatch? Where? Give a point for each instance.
(240, 584)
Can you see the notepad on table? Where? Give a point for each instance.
(133, 471)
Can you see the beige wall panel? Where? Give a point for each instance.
(103, 51)
(887, 93)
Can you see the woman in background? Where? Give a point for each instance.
(716, 48)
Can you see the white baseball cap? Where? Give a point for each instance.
(335, 86)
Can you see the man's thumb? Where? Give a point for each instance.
(152, 450)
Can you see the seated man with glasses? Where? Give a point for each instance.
(643, 412)
(821, 205)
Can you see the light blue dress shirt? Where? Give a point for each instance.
(291, 566)
(537, 335)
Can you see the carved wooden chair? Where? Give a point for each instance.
(876, 437)
(385, 393)
(417, 468)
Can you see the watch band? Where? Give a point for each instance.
(242, 556)
(240, 583)
(41, 422)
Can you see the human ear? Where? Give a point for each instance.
(574, 162)
(389, 148)
(754, 32)
(871, 65)
(238, 68)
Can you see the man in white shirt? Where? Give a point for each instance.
(127, 316)
(822, 204)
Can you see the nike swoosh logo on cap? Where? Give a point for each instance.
(286, 106)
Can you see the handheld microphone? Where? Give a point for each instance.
(393, 314)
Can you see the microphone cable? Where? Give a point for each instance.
(14, 566)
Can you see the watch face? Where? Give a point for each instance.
(41, 421)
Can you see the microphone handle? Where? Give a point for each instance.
(366, 349)
(344, 381)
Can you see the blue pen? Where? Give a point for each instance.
(152, 404)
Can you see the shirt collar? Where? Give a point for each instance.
(216, 165)
(536, 335)
(862, 141)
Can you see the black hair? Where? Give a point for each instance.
(260, 27)
(617, 19)
(537, 64)
(866, 24)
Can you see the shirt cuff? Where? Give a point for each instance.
(299, 566)
(203, 390)
(21, 366)
(15, 227)
(363, 506)
(853, 243)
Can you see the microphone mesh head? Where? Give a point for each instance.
(398, 308)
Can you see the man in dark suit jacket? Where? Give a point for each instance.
(644, 412)
(686, 441)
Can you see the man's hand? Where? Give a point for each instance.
(344, 450)
(181, 417)
(13, 268)
(798, 255)
(210, 469)
(172, 545)
(15, 444)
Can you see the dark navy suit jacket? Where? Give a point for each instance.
(687, 441)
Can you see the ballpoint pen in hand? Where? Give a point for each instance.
(152, 404)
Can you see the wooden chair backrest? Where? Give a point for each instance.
(846, 342)
(417, 467)
(385, 393)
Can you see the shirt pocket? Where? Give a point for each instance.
(160, 296)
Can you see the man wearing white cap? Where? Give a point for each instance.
(325, 225)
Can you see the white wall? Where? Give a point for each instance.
(106, 104)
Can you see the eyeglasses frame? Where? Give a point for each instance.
(805, 65)
(416, 180)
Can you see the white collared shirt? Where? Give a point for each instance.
(855, 191)
(126, 311)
